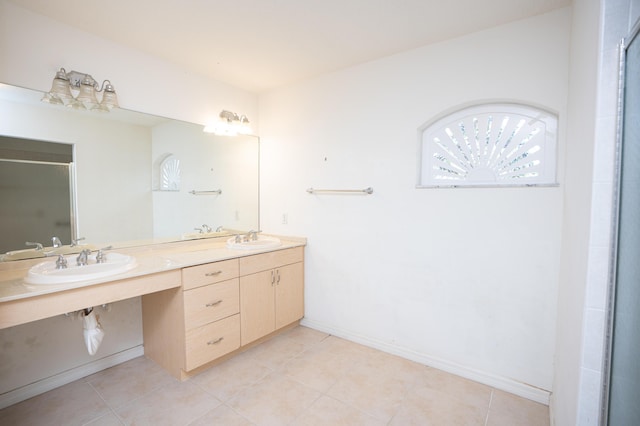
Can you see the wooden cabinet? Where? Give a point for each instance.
(222, 306)
(197, 323)
(271, 292)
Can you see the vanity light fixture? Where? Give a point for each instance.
(86, 88)
(230, 124)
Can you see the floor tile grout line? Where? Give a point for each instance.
(111, 409)
(486, 418)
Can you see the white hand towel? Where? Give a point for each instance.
(93, 332)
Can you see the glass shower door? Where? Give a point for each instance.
(623, 406)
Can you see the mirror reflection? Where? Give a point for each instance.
(140, 178)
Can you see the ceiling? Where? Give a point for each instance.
(258, 45)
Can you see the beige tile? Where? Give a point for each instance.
(306, 336)
(223, 416)
(227, 379)
(128, 381)
(318, 369)
(342, 347)
(73, 404)
(328, 411)
(429, 407)
(508, 409)
(458, 387)
(107, 420)
(276, 352)
(275, 400)
(393, 366)
(175, 404)
(377, 395)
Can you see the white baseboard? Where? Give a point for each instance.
(44, 385)
(508, 385)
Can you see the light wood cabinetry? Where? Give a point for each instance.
(197, 323)
(271, 292)
(222, 306)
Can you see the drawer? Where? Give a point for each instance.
(210, 303)
(211, 341)
(273, 259)
(197, 276)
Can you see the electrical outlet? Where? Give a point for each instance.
(285, 218)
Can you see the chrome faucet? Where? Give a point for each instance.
(55, 242)
(206, 228)
(253, 235)
(83, 257)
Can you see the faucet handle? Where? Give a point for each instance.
(38, 246)
(206, 228)
(75, 242)
(101, 257)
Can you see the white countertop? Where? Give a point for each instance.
(150, 259)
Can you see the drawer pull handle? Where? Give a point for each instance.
(212, 274)
(217, 302)
(213, 342)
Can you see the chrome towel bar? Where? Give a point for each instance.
(217, 191)
(367, 191)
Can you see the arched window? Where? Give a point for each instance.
(491, 144)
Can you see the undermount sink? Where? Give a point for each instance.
(263, 242)
(47, 273)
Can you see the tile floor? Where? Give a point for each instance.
(303, 377)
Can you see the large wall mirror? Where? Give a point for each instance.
(139, 178)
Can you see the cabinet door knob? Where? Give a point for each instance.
(213, 342)
(278, 276)
(217, 302)
(273, 277)
(212, 274)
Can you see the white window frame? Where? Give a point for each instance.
(492, 144)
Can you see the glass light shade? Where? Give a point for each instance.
(87, 95)
(244, 127)
(109, 98)
(52, 99)
(76, 104)
(222, 128)
(60, 87)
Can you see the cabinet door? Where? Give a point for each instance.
(257, 305)
(289, 294)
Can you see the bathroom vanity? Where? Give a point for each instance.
(201, 301)
(222, 307)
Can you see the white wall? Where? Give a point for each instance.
(616, 18)
(463, 279)
(576, 221)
